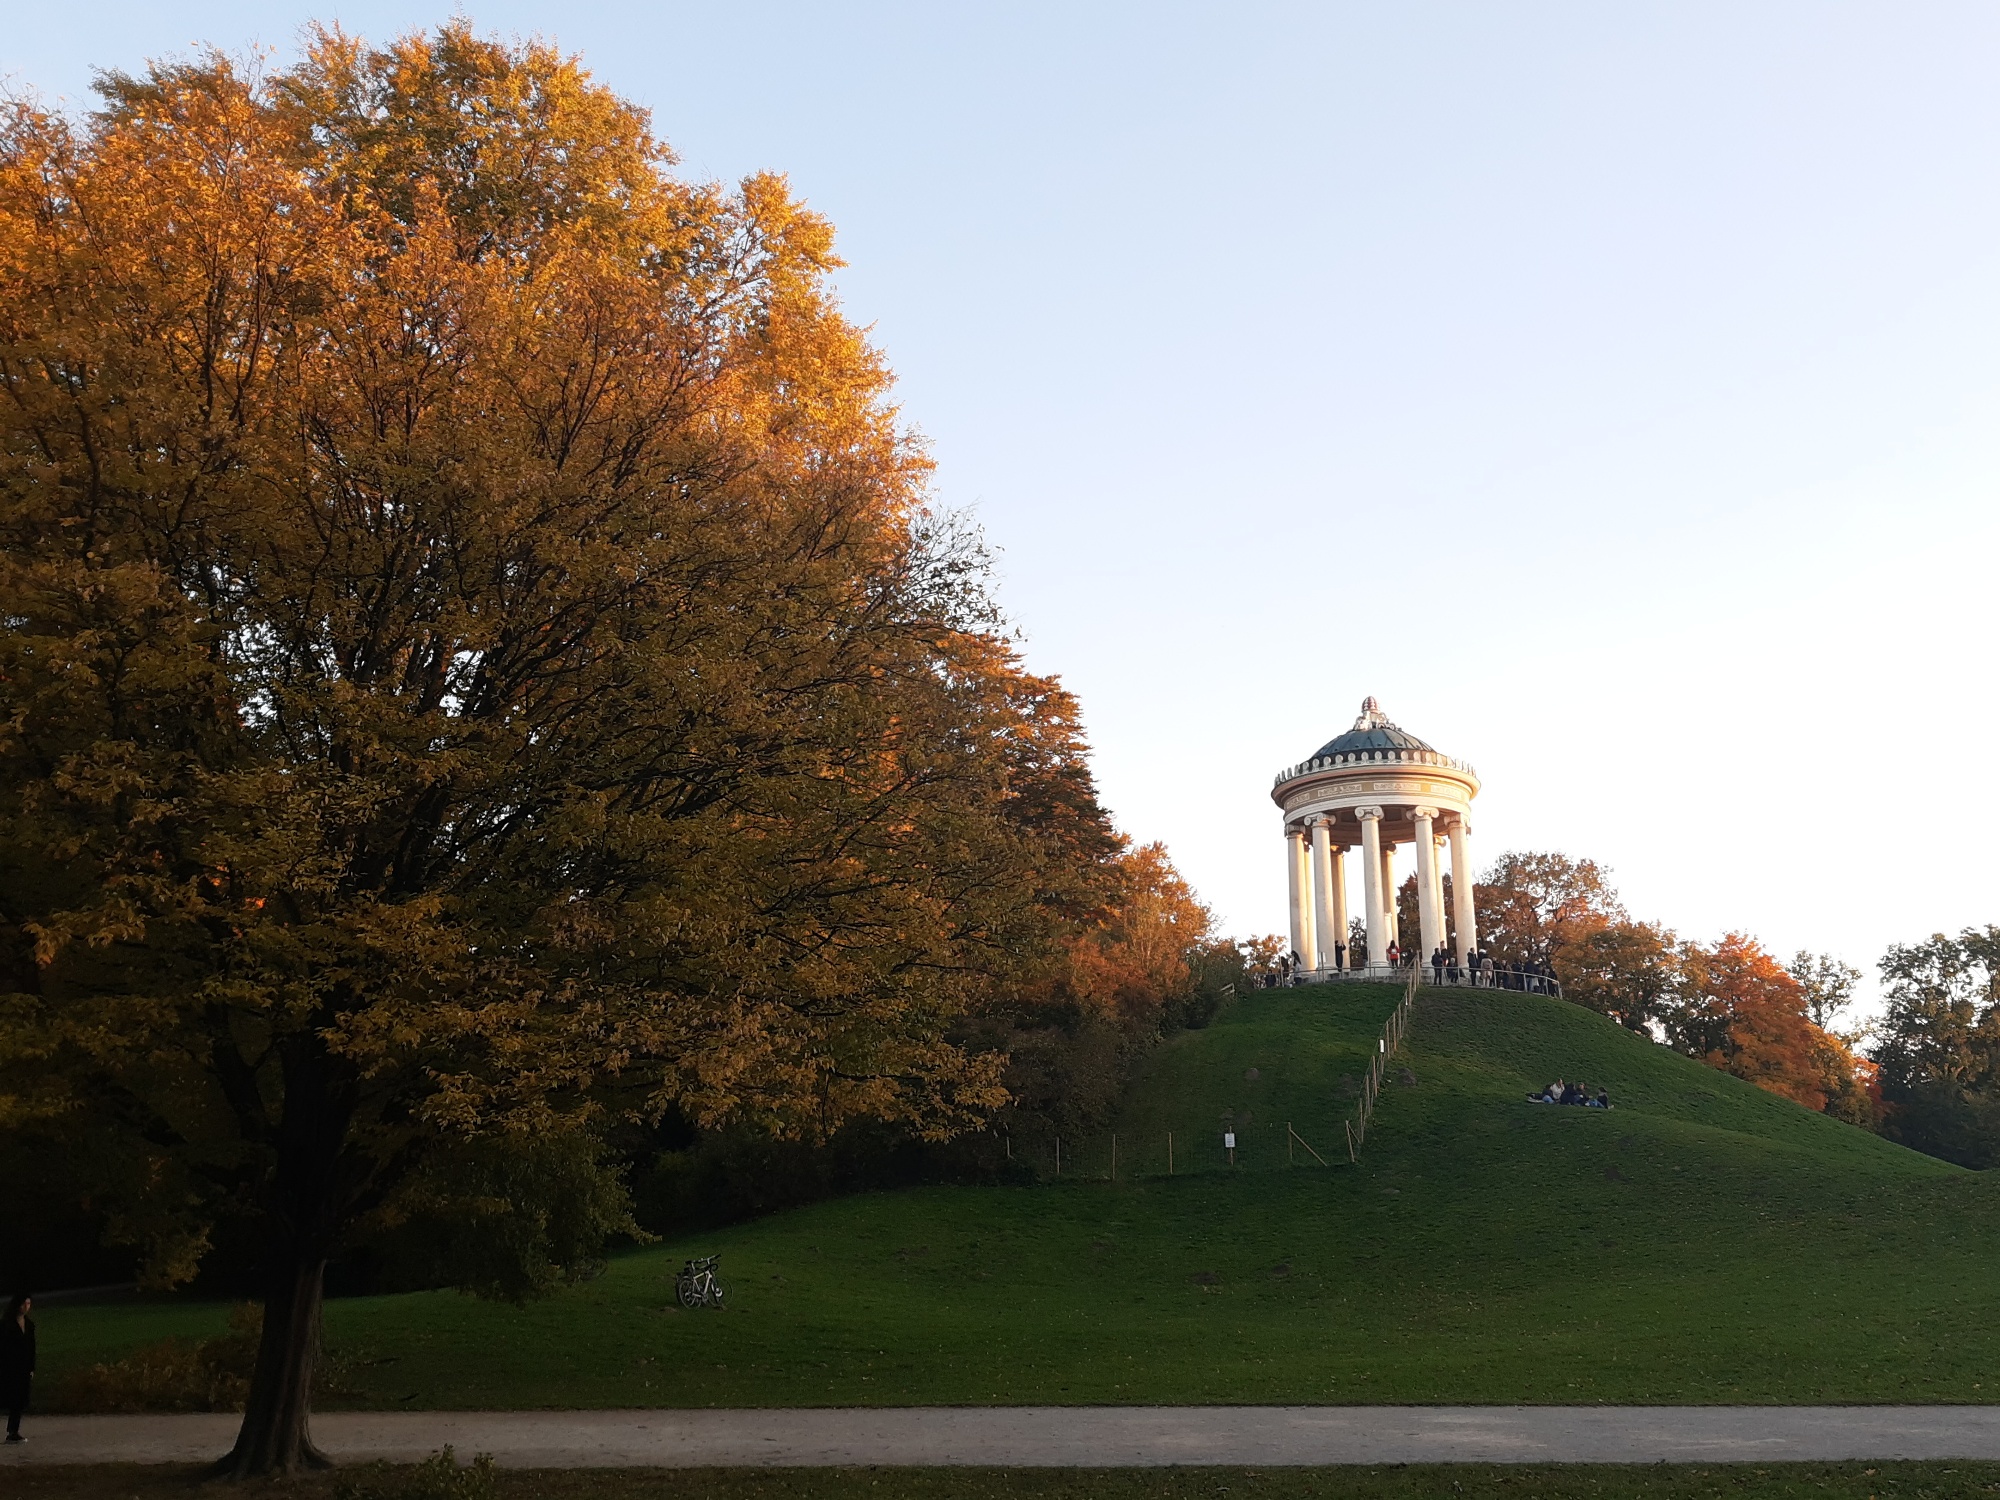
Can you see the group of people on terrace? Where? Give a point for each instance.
(1531, 976)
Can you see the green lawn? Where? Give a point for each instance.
(1701, 1242)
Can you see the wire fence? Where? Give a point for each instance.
(1393, 1032)
(1516, 977)
(1260, 1145)
(1239, 1142)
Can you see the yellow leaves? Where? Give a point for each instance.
(485, 654)
(1139, 956)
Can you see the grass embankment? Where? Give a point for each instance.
(1904, 1481)
(1702, 1242)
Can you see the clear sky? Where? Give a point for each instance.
(1612, 390)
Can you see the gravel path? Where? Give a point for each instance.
(1087, 1436)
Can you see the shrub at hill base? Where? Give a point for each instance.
(1148, 966)
(171, 1375)
(477, 666)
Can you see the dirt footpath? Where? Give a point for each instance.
(1070, 1436)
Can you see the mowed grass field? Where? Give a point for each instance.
(1701, 1242)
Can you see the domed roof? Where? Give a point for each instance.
(1372, 731)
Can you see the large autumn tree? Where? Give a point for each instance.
(1563, 911)
(1737, 1008)
(1534, 904)
(475, 656)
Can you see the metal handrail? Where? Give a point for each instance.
(1533, 984)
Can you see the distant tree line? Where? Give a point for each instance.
(1937, 1046)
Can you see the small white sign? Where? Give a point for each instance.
(1229, 1140)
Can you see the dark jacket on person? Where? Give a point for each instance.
(17, 1355)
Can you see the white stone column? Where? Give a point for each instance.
(1437, 883)
(1301, 880)
(1337, 867)
(1461, 887)
(1430, 914)
(1437, 890)
(1310, 952)
(1371, 883)
(1324, 929)
(1391, 917)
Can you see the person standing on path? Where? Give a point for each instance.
(17, 1362)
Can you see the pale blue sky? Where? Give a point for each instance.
(1613, 391)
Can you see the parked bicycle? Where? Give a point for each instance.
(697, 1284)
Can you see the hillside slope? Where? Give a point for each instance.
(1701, 1242)
(1295, 1056)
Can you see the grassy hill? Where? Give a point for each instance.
(1703, 1241)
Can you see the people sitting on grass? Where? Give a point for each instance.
(1560, 1092)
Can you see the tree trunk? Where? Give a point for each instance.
(273, 1438)
(305, 1209)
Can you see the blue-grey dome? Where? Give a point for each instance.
(1372, 731)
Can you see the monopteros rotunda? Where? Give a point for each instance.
(1374, 788)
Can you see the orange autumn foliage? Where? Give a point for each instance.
(1139, 959)
(477, 664)
(1741, 1011)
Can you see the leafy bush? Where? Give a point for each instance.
(174, 1374)
(439, 1477)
